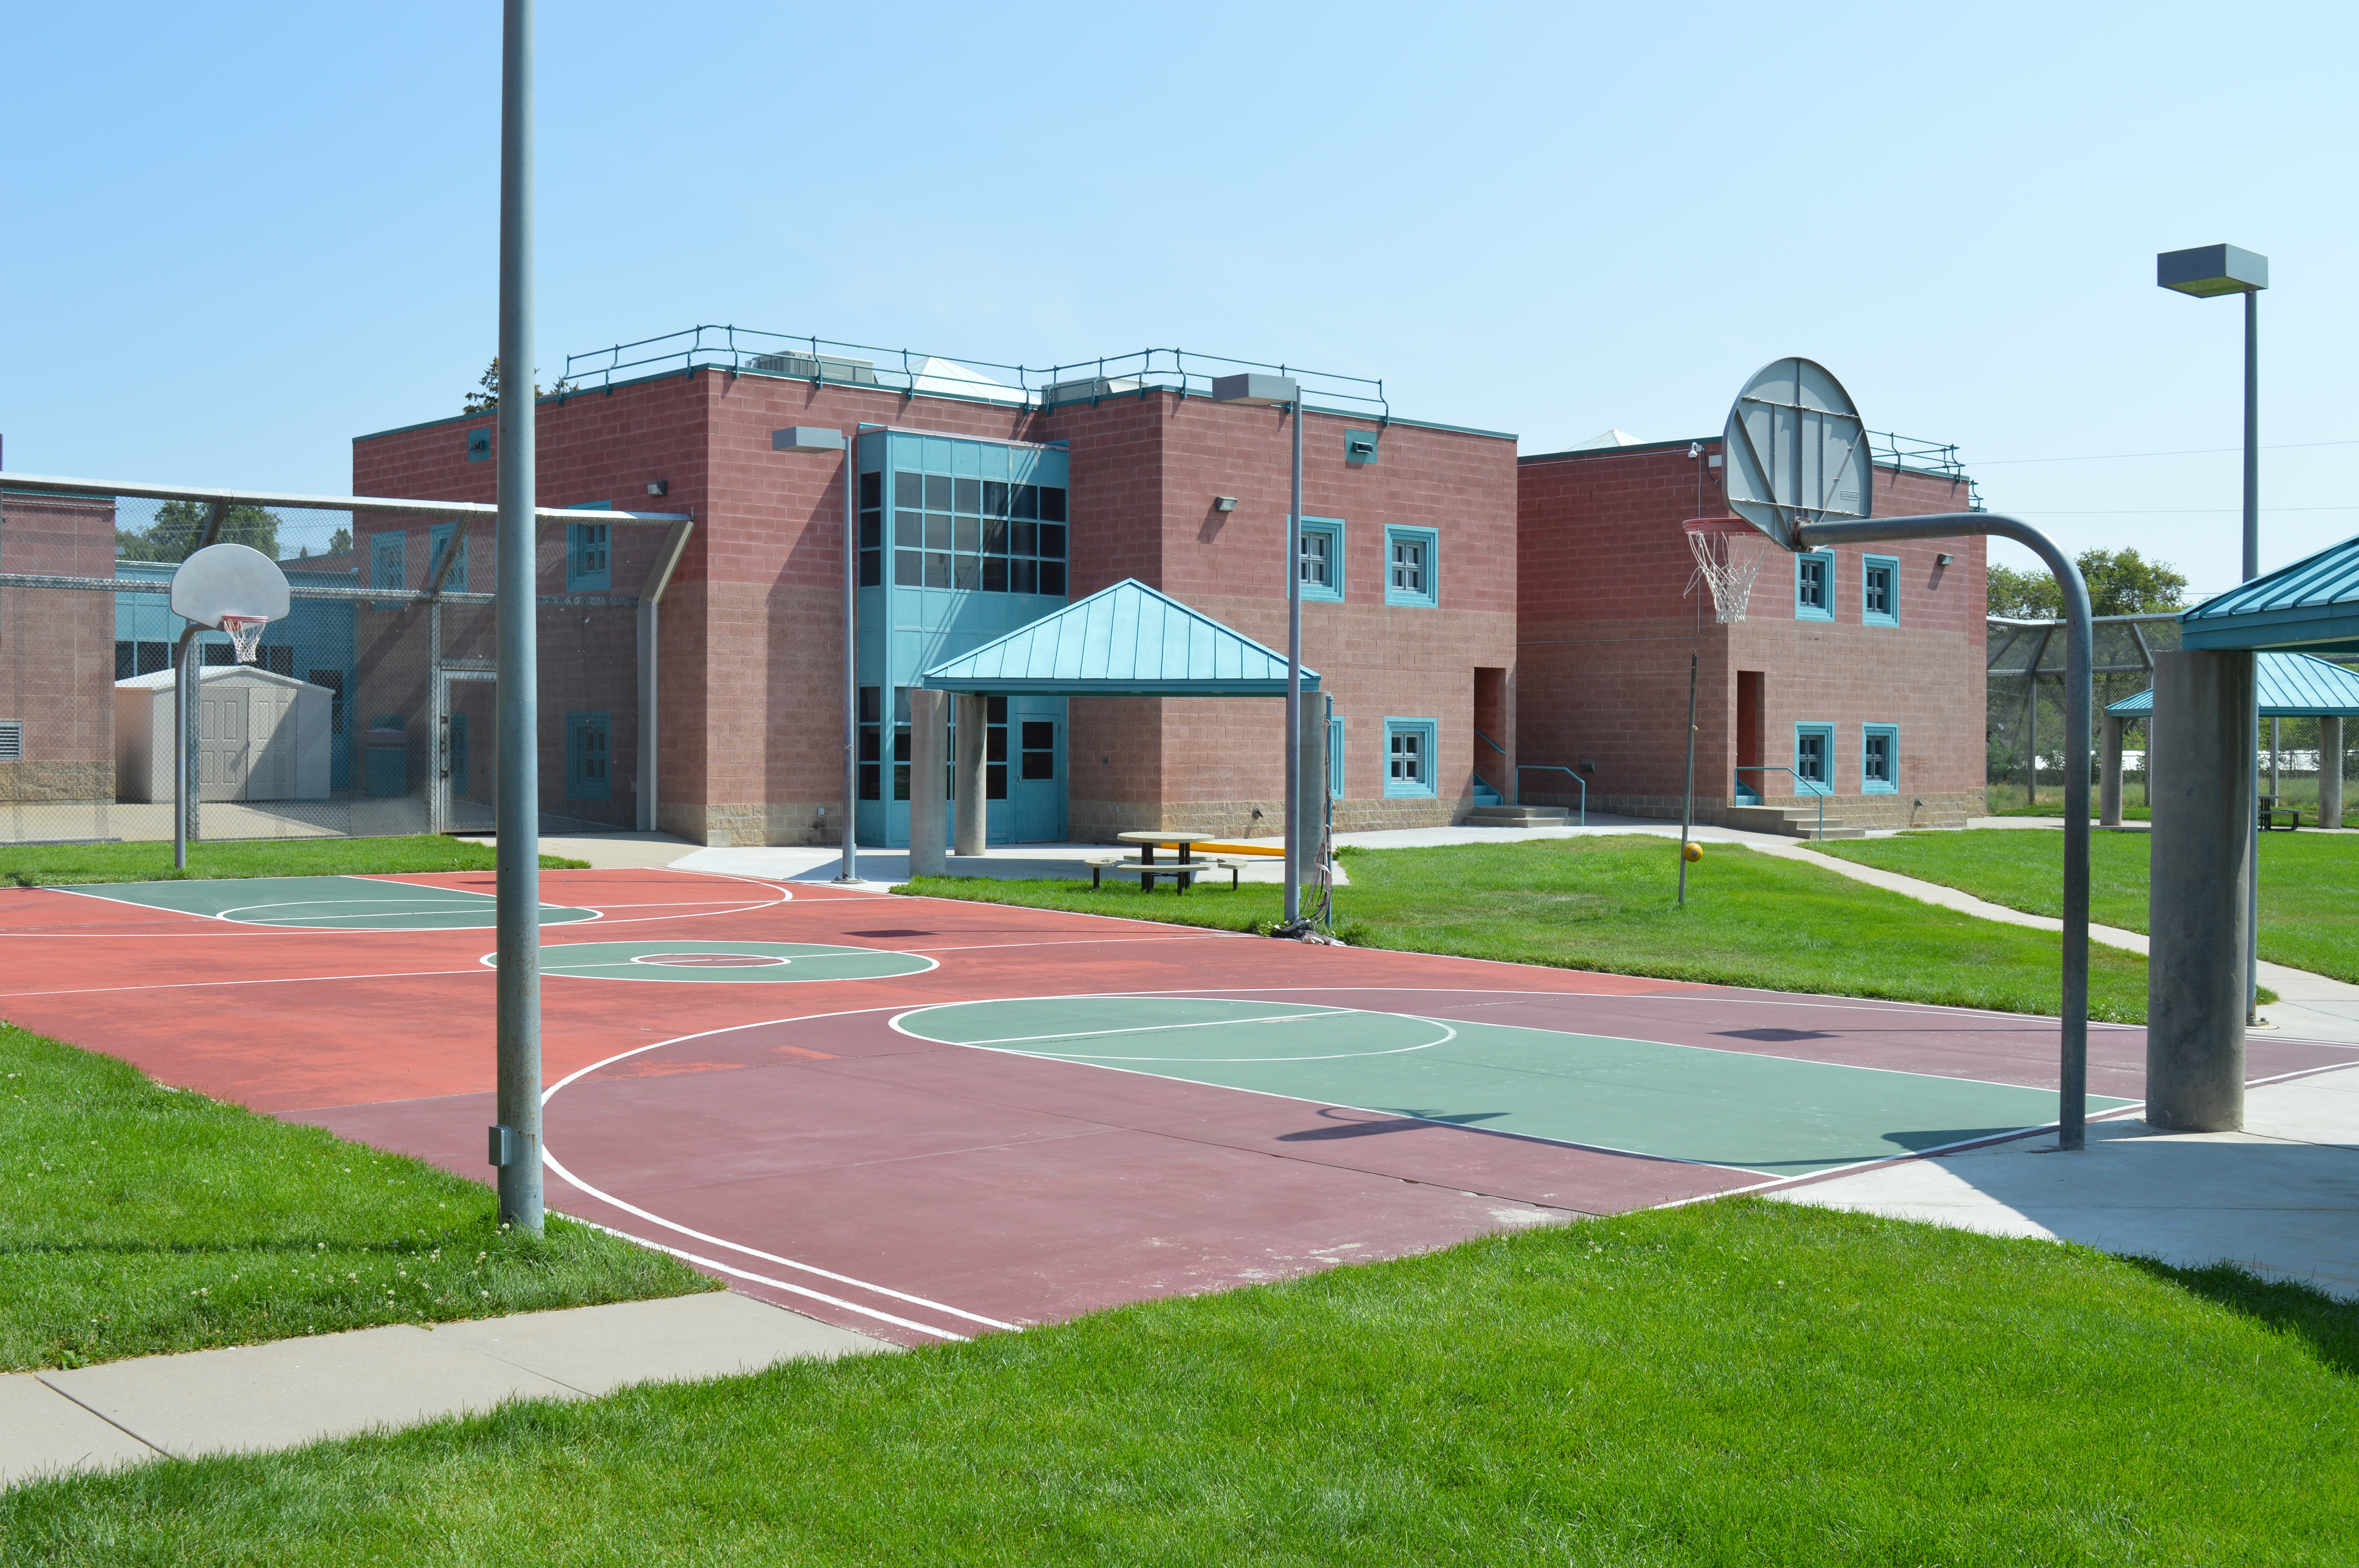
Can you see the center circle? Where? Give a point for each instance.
(713, 960)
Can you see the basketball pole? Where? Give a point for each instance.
(2080, 646)
(187, 776)
(1687, 813)
(516, 1139)
(1294, 684)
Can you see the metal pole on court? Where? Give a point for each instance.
(2252, 571)
(1294, 683)
(1687, 814)
(516, 1141)
(850, 871)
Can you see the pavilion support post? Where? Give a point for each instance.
(2330, 772)
(2109, 780)
(928, 826)
(973, 730)
(2202, 791)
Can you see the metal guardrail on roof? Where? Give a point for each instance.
(1918, 456)
(823, 361)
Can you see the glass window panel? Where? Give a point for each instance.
(938, 532)
(995, 536)
(1026, 501)
(1052, 578)
(872, 523)
(900, 704)
(1039, 764)
(1408, 565)
(908, 527)
(909, 490)
(995, 781)
(870, 742)
(970, 534)
(1315, 567)
(872, 568)
(909, 568)
(869, 698)
(995, 709)
(994, 498)
(995, 574)
(871, 490)
(995, 745)
(1052, 541)
(1027, 537)
(937, 492)
(1040, 734)
(938, 568)
(871, 778)
(1053, 503)
(1023, 576)
(900, 742)
(970, 494)
(900, 781)
(969, 572)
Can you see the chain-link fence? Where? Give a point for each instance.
(369, 710)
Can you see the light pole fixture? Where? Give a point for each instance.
(1255, 389)
(827, 438)
(2203, 272)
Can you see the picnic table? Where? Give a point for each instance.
(1149, 842)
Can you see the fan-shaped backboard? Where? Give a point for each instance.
(1796, 452)
(229, 579)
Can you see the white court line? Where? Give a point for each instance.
(273, 980)
(1140, 1029)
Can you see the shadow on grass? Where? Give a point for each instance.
(2330, 1323)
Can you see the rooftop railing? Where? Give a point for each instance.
(914, 374)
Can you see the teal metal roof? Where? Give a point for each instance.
(2311, 604)
(1124, 641)
(2291, 686)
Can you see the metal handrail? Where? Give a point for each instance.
(1523, 768)
(1773, 768)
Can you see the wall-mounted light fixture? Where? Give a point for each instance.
(1224, 503)
(1588, 765)
(658, 487)
(1943, 560)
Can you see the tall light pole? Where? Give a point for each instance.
(2203, 272)
(1255, 390)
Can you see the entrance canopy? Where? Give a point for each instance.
(2290, 686)
(2312, 605)
(1124, 641)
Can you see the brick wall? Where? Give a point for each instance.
(57, 650)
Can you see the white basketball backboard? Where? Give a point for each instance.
(1796, 452)
(229, 579)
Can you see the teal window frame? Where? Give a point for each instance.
(1803, 608)
(1825, 735)
(1332, 529)
(582, 547)
(1338, 753)
(1890, 735)
(1430, 596)
(589, 770)
(1890, 567)
(438, 540)
(1429, 729)
(389, 558)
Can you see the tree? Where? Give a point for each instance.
(488, 399)
(180, 525)
(2120, 583)
(339, 543)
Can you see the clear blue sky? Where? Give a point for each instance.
(243, 234)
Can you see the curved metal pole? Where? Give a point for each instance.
(1293, 907)
(2080, 647)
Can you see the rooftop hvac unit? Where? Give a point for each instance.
(816, 367)
(1082, 390)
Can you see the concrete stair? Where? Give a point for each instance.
(1519, 817)
(1794, 821)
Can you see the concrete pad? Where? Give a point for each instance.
(252, 1397)
(597, 1349)
(616, 850)
(2282, 1199)
(42, 1432)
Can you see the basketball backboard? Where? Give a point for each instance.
(1796, 452)
(229, 580)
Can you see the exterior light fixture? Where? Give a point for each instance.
(1944, 559)
(807, 438)
(1224, 503)
(658, 487)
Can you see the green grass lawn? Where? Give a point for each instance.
(54, 865)
(2006, 800)
(2310, 917)
(1731, 1383)
(1607, 902)
(137, 1218)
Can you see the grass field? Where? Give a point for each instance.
(1731, 1383)
(2006, 800)
(2310, 918)
(55, 865)
(137, 1218)
(1607, 902)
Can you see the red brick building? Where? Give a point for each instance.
(1860, 670)
(1411, 568)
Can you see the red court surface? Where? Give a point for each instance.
(801, 1140)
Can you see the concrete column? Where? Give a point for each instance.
(974, 727)
(929, 827)
(1313, 777)
(2330, 773)
(2109, 779)
(2202, 731)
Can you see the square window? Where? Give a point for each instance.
(995, 574)
(969, 573)
(938, 568)
(1814, 586)
(938, 531)
(1410, 758)
(995, 536)
(968, 534)
(909, 568)
(909, 491)
(1814, 759)
(1027, 537)
(1052, 578)
(1879, 759)
(872, 491)
(1040, 734)
(1026, 503)
(588, 561)
(1880, 591)
(1053, 503)
(1322, 557)
(970, 495)
(937, 492)
(440, 539)
(1411, 570)
(871, 526)
(994, 498)
(872, 568)
(909, 528)
(1024, 577)
(1052, 541)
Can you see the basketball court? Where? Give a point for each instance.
(925, 1118)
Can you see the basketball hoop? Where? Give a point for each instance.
(1728, 554)
(244, 635)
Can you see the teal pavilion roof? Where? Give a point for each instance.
(1124, 641)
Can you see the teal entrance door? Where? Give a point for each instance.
(1024, 773)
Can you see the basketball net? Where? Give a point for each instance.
(244, 635)
(1728, 554)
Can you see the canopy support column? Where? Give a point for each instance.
(2109, 779)
(929, 832)
(973, 730)
(2203, 727)
(2330, 772)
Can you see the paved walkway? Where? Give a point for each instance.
(291, 1392)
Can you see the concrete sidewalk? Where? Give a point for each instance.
(292, 1391)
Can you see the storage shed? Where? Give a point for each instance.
(261, 735)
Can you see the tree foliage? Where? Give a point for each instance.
(178, 526)
(2121, 583)
(487, 398)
